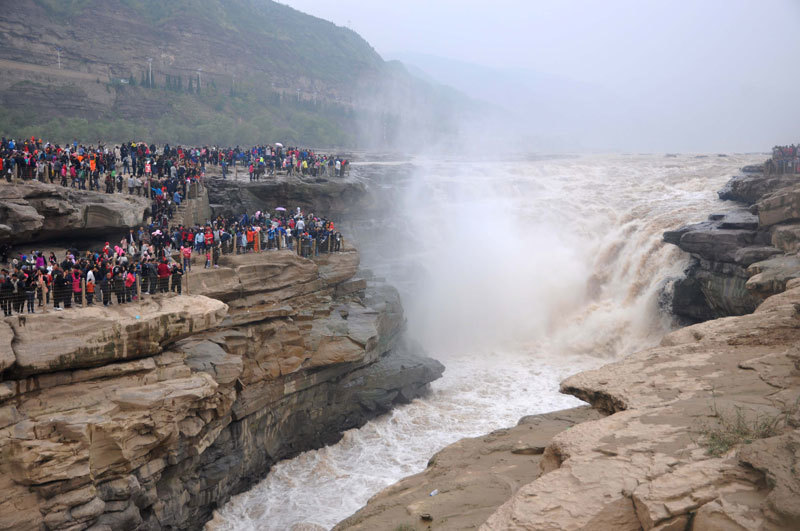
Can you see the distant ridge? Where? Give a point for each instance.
(219, 71)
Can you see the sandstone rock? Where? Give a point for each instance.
(95, 336)
(779, 206)
(209, 357)
(126, 520)
(334, 198)
(749, 255)
(739, 219)
(89, 510)
(719, 245)
(750, 188)
(770, 276)
(36, 211)
(786, 237)
(118, 489)
(778, 459)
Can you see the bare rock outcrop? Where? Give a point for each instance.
(331, 196)
(652, 463)
(37, 211)
(151, 415)
(741, 257)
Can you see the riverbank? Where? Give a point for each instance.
(654, 460)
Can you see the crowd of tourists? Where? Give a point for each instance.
(139, 168)
(153, 259)
(785, 159)
(266, 161)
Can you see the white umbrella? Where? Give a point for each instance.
(281, 209)
(278, 144)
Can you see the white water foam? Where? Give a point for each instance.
(515, 276)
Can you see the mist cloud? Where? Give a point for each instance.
(657, 76)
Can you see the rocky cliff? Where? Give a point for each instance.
(744, 255)
(151, 415)
(334, 197)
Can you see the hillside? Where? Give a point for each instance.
(233, 71)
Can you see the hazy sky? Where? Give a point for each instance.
(691, 56)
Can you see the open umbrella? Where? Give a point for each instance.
(278, 144)
(281, 209)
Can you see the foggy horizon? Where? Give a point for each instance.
(621, 76)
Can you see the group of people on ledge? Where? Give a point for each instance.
(142, 169)
(785, 159)
(153, 260)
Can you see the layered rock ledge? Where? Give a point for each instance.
(743, 256)
(150, 416)
(37, 211)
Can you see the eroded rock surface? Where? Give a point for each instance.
(37, 211)
(150, 416)
(647, 465)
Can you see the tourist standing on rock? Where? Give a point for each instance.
(30, 292)
(42, 286)
(163, 277)
(177, 279)
(76, 286)
(90, 284)
(105, 287)
(130, 284)
(17, 293)
(118, 286)
(58, 283)
(186, 254)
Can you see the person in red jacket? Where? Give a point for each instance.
(163, 276)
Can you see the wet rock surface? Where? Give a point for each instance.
(150, 416)
(729, 249)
